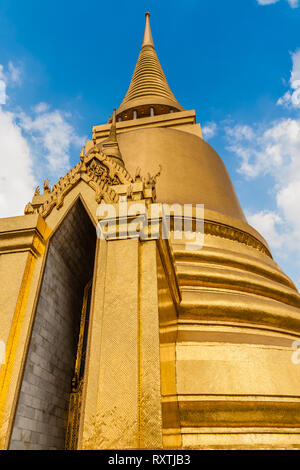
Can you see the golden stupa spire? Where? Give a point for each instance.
(148, 92)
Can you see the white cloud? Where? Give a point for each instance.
(209, 130)
(273, 150)
(292, 3)
(52, 137)
(268, 225)
(17, 180)
(11, 77)
(3, 96)
(16, 171)
(267, 150)
(266, 2)
(32, 147)
(288, 201)
(41, 107)
(14, 73)
(292, 97)
(239, 132)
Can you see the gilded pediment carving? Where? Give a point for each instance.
(103, 169)
(106, 176)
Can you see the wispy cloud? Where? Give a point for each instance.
(52, 136)
(3, 96)
(292, 3)
(269, 225)
(14, 73)
(267, 2)
(209, 130)
(273, 150)
(11, 76)
(41, 107)
(17, 176)
(292, 97)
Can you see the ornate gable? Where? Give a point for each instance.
(104, 174)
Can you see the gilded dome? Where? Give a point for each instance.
(192, 171)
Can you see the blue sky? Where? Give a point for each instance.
(66, 64)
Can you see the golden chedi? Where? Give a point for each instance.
(132, 343)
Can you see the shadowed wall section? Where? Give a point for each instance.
(41, 415)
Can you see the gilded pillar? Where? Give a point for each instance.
(124, 377)
(22, 246)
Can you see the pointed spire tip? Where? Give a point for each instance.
(147, 39)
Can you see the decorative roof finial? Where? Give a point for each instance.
(113, 127)
(47, 188)
(110, 147)
(83, 165)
